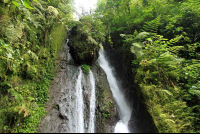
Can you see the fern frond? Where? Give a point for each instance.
(194, 92)
(151, 26)
(176, 49)
(14, 32)
(174, 40)
(142, 36)
(23, 108)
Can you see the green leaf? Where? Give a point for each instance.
(27, 5)
(170, 120)
(6, 1)
(15, 3)
(8, 47)
(123, 35)
(132, 49)
(139, 53)
(36, 1)
(138, 45)
(9, 56)
(167, 92)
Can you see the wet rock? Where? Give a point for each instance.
(57, 118)
(63, 93)
(106, 111)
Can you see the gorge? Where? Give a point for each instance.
(108, 66)
(93, 102)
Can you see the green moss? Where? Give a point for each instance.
(86, 68)
(56, 106)
(57, 36)
(106, 114)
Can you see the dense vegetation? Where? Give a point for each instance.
(158, 39)
(160, 44)
(31, 33)
(86, 38)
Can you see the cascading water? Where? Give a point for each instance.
(76, 97)
(79, 105)
(92, 104)
(123, 108)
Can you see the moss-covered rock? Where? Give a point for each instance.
(85, 40)
(82, 51)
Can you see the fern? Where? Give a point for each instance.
(14, 32)
(142, 36)
(174, 40)
(176, 49)
(136, 48)
(23, 108)
(194, 92)
(151, 26)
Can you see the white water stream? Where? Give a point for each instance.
(123, 108)
(92, 104)
(76, 114)
(79, 105)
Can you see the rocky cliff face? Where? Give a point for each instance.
(61, 108)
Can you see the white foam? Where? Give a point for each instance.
(121, 128)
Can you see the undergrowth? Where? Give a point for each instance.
(23, 100)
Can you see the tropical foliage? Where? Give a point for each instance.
(90, 33)
(160, 44)
(31, 34)
(158, 39)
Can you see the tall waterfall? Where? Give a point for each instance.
(92, 104)
(79, 105)
(123, 108)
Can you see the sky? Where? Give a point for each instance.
(85, 4)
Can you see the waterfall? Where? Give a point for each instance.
(92, 104)
(79, 105)
(123, 108)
